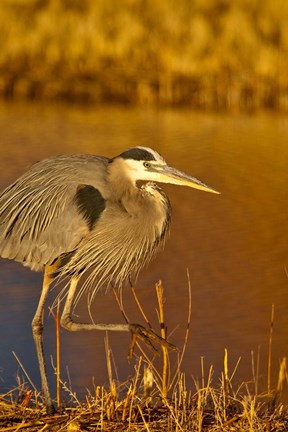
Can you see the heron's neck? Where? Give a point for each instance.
(121, 184)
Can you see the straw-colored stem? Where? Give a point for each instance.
(185, 344)
(120, 304)
(160, 298)
(143, 353)
(134, 389)
(109, 366)
(140, 308)
(270, 351)
(25, 372)
(127, 403)
(143, 418)
(226, 373)
(58, 356)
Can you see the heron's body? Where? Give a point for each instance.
(84, 214)
(66, 206)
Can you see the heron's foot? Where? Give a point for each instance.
(147, 335)
(51, 410)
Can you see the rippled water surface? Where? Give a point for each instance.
(234, 245)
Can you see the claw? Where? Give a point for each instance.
(147, 335)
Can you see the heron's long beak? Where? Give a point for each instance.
(171, 175)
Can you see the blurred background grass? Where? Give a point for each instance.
(209, 54)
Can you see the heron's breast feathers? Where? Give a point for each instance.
(124, 239)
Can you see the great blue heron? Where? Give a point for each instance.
(83, 214)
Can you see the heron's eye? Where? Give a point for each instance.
(147, 164)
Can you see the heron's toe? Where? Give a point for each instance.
(147, 336)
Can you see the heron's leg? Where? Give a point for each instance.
(37, 329)
(69, 324)
(136, 329)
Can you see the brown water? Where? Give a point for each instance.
(234, 244)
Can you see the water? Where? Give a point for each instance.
(234, 245)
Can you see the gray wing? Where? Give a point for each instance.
(51, 208)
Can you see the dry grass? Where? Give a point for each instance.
(211, 54)
(154, 399)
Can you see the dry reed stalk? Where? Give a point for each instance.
(134, 338)
(127, 403)
(228, 423)
(282, 374)
(173, 411)
(255, 370)
(163, 332)
(143, 418)
(134, 388)
(202, 373)
(182, 401)
(120, 304)
(110, 403)
(151, 335)
(250, 412)
(27, 398)
(140, 308)
(58, 355)
(185, 344)
(227, 385)
(202, 394)
(162, 376)
(102, 411)
(282, 377)
(148, 381)
(270, 351)
(97, 396)
(25, 373)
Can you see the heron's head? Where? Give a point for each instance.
(143, 163)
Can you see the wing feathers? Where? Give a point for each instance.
(45, 213)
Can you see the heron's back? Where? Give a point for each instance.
(39, 217)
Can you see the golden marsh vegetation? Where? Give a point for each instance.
(157, 397)
(209, 54)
